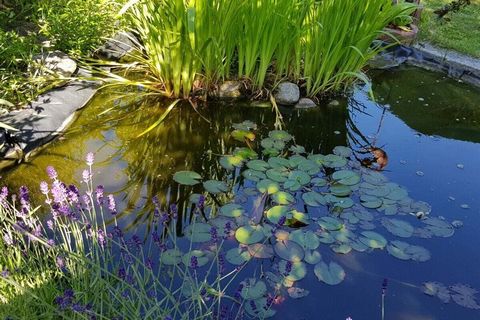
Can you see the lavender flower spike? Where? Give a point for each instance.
(111, 204)
(90, 158)
(52, 173)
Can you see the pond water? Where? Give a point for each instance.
(428, 125)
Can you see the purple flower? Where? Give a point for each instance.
(214, 234)
(78, 308)
(221, 264)
(51, 242)
(227, 229)
(122, 274)
(44, 187)
(193, 262)
(101, 238)
(137, 243)
(112, 205)
(253, 305)
(86, 200)
(149, 263)
(237, 294)
(90, 158)
(59, 192)
(86, 176)
(201, 202)
(164, 218)
(24, 199)
(52, 173)
(99, 194)
(384, 286)
(117, 232)
(288, 268)
(174, 211)
(281, 221)
(5, 273)
(3, 196)
(60, 262)
(7, 238)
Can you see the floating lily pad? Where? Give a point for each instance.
(202, 258)
(307, 239)
(296, 180)
(437, 289)
(309, 166)
(317, 158)
(340, 190)
(274, 214)
(253, 289)
(260, 251)
(198, 232)
(237, 256)
(439, 228)
(319, 182)
(331, 273)
(399, 228)
(280, 135)
(297, 293)
(370, 202)
(245, 125)
(346, 177)
(334, 161)
(405, 251)
(260, 308)
(171, 257)
(312, 257)
(314, 199)
(232, 210)
(269, 143)
(188, 178)
(278, 174)
(253, 175)
(330, 223)
(268, 186)
(298, 270)
(230, 162)
(283, 198)
(289, 250)
(258, 165)
(249, 234)
(242, 135)
(373, 240)
(359, 246)
(341, 248)
(295, 160)
(214, 186)
(300, 216)
(277, 162)
(342, 151)
(297, 149)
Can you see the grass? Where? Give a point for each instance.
(460, 32)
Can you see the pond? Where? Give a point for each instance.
(428, 125)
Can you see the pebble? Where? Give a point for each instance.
(457, 224)
(465, 206)
(403, 161)
(460, 166)
(451, 198)
(336, 132)
(421, 99)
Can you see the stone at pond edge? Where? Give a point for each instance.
(287, 93)
(117, 47)
(56, 61)
(305, 103)
(230, 89)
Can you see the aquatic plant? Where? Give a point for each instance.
(186, 46)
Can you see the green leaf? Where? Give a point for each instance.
(198, 232)
(331, 274)
(373, 240)
(245, 125)
(289, 250)
(330, 223)
(237, 256)
(214, 186)
(399, 228)
(298, 272)
(269, 143)
(188, 178)
(245, 153)
(274, 214)
(283, 198)
(342, 151)
(242, 135)
(307, 239)
(202, 258)
(253, 175)
(278, 174)
(370, 202)
(258, 165)
(253, 289)
(268, 186)
(314, 199)
(280, 135)
(261, 251)
(171, 257)
(230, 162)
(334, 161)
(249, 234)
(232, 210)
(346, 177)
(160, 120)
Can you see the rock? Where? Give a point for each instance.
(117, 47)
(56, 61)
(334, 103)
(230, 89)
(287, 93)
(305, 103)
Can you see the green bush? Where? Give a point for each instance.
(78, 26)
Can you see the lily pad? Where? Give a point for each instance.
(312, 257)
(268, 186)
(341, 248)
(188, 178)
(237, 256)
(307, 239)
(297, 293)
(283, 198)
(171, 257)
(245, 125)
(278, 174)
(260, 308)
(340, 190)
(334, 161)
(253, 289)
(319, 182)
(370, 202)
(242, 135)
(214, 186)
(289, 250)
(309, 166)
(280, 135)
(398, 227)
(232, 210)
(274, 214)
(269, 143)
(277, 162)
(373, 240)
(342, 151)
(245, 153)
(314, 199)
(260, 251)
(346, 177)
(253, 175)
(202, 258)
(331, 274)
(198, 232)
(298, 270)
(439, 228)
(258, 165)
(230, 162)
(330, 223)
(249, 234)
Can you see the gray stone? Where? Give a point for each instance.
(334, 103)
(118, 47)
(56, 61)
(287, 93)
(230, 89)
(43, 120)
(305, 103)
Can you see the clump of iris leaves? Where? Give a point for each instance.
(187, 48)
(280, 208)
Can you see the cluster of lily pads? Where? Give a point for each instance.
(462, 294)
(284, 204)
